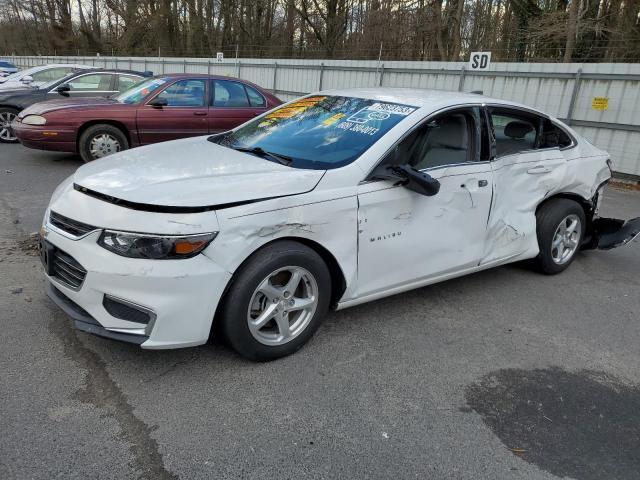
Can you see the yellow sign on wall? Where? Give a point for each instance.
(600, 103)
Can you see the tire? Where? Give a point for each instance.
(250, 301)
(90, 146)
(558, 247)
(7, 114)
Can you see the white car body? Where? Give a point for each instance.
(384, 239)
(40, 75)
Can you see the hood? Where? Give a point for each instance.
(15, 85)
(15, 90)
(68, 102)
(190, 173)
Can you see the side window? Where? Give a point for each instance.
(448, 139)
(513, 132)
(553, 136)
(185, 93)
(50, 74)
(255, 99)
(229, 94)
(97, 82)
(125, 82)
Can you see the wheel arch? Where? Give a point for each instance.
(586, 204)
(338, 279)
(90, 123)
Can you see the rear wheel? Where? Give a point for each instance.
(277, 301)
(560, 228)
(100, 141)
(7, 115)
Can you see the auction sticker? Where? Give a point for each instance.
(368, 119)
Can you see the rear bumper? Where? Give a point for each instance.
(42, 138)
(608, 233)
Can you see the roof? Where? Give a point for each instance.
(421, 97)
(202, 75)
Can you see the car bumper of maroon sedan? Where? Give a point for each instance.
(43, 137)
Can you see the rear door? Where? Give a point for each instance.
(525, 170)
(233, 103)
(185, 114)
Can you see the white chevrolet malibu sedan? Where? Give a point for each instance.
(332, 200)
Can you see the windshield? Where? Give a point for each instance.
(139, 91)
(7, 65)
(319, 132)
(20, 74)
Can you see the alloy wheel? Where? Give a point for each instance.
(6, 132)
(566, 239)
(282, 305)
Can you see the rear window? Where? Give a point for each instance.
(320, 132)
(7, 65)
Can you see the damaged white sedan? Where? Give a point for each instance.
(335, 199)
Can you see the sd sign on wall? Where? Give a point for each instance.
(479, 60)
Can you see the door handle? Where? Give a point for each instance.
(483, 183)
(200, 114)
(537, 170)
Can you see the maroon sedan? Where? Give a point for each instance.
(162, 108)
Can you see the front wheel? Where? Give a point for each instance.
(560, 229)
(276, 301)
(101, 140)
(7, 115)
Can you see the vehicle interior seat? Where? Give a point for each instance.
(515, 137)
(445, 143)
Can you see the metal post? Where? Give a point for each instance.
(208, 67)
(116, 62)
(145, 64)
(461, 82)
(237, 61)
(275, 76)
(574, 96)
(130, 64)
(321, 76)
(381, 74)
(163, 66)
(184, 66)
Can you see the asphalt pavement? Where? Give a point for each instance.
(504, 374)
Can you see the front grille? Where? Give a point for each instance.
(72, 227)
(66, 269)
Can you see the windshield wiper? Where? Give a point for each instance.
(281, 159)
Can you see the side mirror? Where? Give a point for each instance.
(27, 79)
(158, 102)
(64, 90)
(413, 179)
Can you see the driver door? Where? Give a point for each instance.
(407, 238)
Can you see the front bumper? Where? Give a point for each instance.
(42, 137)
(181, 296)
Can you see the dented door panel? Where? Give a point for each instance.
(405, 237)
(521, 182)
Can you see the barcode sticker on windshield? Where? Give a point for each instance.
(392, 108)
(379, 112)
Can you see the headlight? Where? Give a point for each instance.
(34, 120)
(137, 245)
